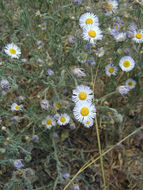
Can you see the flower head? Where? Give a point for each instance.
(110, 70)
(82, 57)
(92, 33)
(84, 112)
(44, 26)
(49, 121)
(123, 90)
(63, 119)
(82, 94)
(18, 164)
(88, 123)
(12, 50)
(16, 107)
(111, 6)
(130, 83)
(120, 37)
(138, 36)
(100, 52)
(127, 63)
(88, 19)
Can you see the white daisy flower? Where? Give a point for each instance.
(138, 36)
(44, 26)
(84, 111)
(88, 19)
(123, 90)
(78, 72)
(63, 119)
(12, 50)
(100, 52)
(49, 122)
(130, 83)
(127, 63)
(88, 123)
(82, 57)
(120, 37)
(82, 94)
(15, 107)
(110, 70)
(57, 105)
(111, 6)
(92, 33)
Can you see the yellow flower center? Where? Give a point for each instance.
(63, 119)
(44, 26)
(84, 111)
(83, 55)
(109, 7)
(17, 107)
(49, 122)
(58, 105)
(126, 63)
(82, 95)
(89, 21)
(116, 27)
(130, 83)
(88, 122)
(139, 35)
(92, 33)
(111, 70)
(12, 51)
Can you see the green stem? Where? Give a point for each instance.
(100, 152)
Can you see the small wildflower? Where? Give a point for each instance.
(4, 84)
(49, 122)
(15, 107)
(72, 126)
(127, 63)
(123, 90)
(15, 119)
(120, 37)
(50, 72)
(91, 61)
(87, 46)
(12, 50)
(76, 187)
(63, 119)
(88, 123)
(111, 6)
(71, 40)
(110, 70)
(44, 26)
(56, 116)
(92, 33)
(100, 52)
(18, 164)
(82, 94)
(57, 105)
(65, 173)
(82, 57)
(130, 83)
(23, 60)
(88, 19)
(79, 72)
(35, 138)
(138, 36)
(85, 111)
